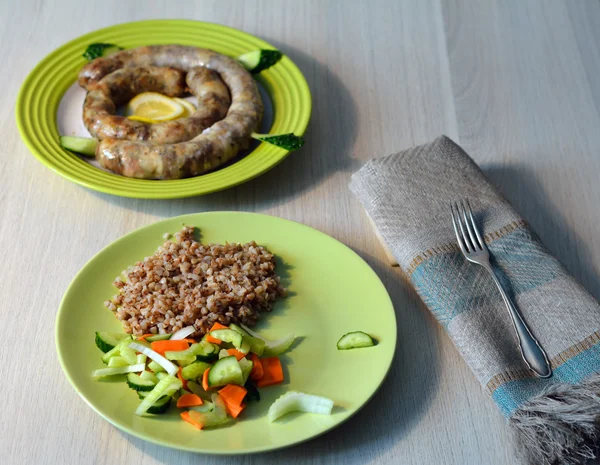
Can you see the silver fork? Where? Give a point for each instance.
(475, 250)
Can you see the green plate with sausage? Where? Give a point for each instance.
(53, 80)
(332, 292)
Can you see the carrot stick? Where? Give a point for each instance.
(186, 417)
(205, 379)
(238, 355)
(257, 368)
(234, 410)
(233, 394)
(272, 372)
(163, 346)
(141, 338)
(214, 340)
(181, 378)
(189, 400)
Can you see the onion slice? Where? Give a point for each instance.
(170, 368)
(182, 333)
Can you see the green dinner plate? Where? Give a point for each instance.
(332, 292)
(41, 93)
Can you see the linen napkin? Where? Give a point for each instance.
(408, 195)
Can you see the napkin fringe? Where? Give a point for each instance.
(561, 425)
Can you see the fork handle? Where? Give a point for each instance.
(532, 352)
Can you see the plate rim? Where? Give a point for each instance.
(147, 189)
(181, 218)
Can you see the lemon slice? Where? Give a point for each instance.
(154, 107)
(190, 109)
(141, 119)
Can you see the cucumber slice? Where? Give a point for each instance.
(108, 341)
(147, 375)
(288, 141)
(354, 340)
(259, 60)
(169, 384)
(257, 345)
(223, 353)
(273, 348)
(158, 337)
(194, 370)
(137, 383)
(225, 371)
(82, 145)
(184, 363)
(246, 367)
(155, 367)
(228, 335)
(297, 401)
(160, 406)
(210, 358)
(94, 51)
(117, 362)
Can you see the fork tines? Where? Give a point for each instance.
(470, 241)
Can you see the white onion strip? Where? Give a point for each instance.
(182, 333)
(171, 368)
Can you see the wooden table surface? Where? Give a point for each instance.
(516, 83)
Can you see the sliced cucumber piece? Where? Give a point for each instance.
(137, 383)
(273, 348)
(288, 141)
(117, 361)
(82, 145)
(194, 370)
(108, 341)
(210, 358)
(259, 60)
(354, 340)
(169, 384)
(147, 375)
(297, 401)
(228, 335)
(158, 337)
(225, 371)
(160, 406)
(256, 344)
(223, 353)
(156, 367)
(184, 363)
(246, 367)
(94, 51)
